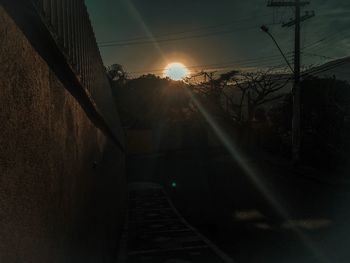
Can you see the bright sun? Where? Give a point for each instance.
(176, 71)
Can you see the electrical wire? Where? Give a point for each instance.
(223, 32)
(270, 62)
(181, 32)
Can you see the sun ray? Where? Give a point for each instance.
(144, 27)
(255, 177)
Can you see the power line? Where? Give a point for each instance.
(143, 38)
(260, 61)
(252, 61)
(327, 67)
(223, 65)
(245, 62)
(312, 72)
(316, 55)
(226, 64)
(223, 32)
(318, 46)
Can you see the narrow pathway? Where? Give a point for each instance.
(156, 232)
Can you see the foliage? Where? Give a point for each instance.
(257, 89)
(259, 102)
(149, 99)
(234, 92)
(116, 72)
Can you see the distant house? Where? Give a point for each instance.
(339, 68)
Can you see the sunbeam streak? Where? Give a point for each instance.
(136, 14)
(253, 175)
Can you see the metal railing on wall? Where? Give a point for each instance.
(69, 24)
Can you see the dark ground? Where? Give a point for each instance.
(282, 215)
(157, 233)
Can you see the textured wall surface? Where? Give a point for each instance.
(56, 205)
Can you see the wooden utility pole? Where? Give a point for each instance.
(296, 133)
(296, 127)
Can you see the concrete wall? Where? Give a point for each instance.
(62, 185)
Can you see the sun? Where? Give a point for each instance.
(176, 71)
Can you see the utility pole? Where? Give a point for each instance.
(296, 126)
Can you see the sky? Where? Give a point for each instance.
(146, 35)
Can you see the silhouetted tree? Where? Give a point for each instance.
(116, 73)
(255, 90)
(232, 92)
(210, 90)
(149, 99)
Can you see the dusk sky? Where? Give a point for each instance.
(145, 35)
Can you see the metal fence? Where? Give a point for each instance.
(69, 24)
